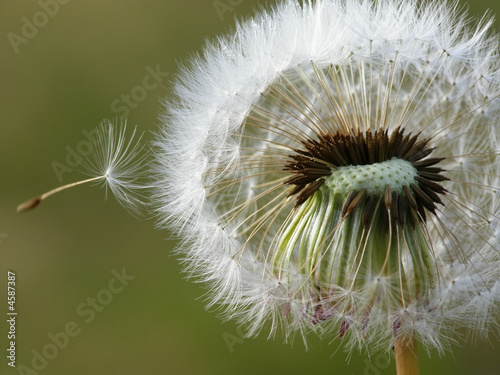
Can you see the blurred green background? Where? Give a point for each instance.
(64, 78)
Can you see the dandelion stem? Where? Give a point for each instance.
(406, 356)
(32, 203)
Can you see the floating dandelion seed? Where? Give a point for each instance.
(115, 162)
(333, 167)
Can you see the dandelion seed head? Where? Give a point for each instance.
(332, 167)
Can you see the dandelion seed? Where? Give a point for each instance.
(333, 168)
(114, 162)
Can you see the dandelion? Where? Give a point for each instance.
(332, 167)
(115, 163)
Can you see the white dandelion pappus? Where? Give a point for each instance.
(333, 167)
(115, 161)
(120, 160)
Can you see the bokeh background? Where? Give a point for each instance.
(60, 78)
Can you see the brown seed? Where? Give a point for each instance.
(29, 205)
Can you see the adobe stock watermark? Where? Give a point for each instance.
(32, 25)
(376, 365)
(86, 311)
(232, 340)
(224, 6)
(75, 156)
(154, 77)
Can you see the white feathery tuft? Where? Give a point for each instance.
(121, 161)
(115, 162)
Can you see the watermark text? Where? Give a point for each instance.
(32, 25)
(86, 311)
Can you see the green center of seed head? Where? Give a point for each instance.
(358, 226)
(355, 231)
(373, 178)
